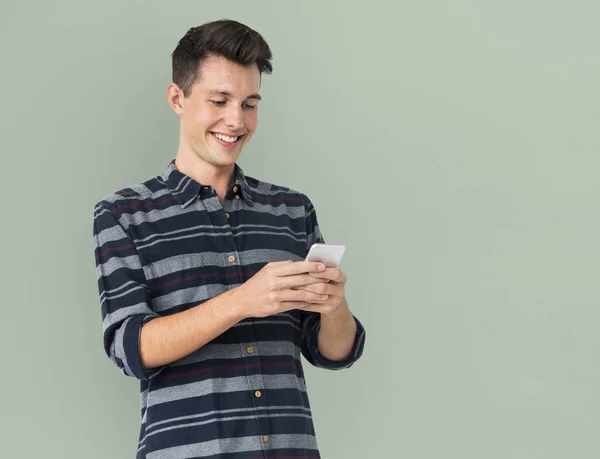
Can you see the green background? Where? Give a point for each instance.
(452, 146)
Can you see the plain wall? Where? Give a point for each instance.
(451, 146)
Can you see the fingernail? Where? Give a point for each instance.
(324, 297)
(321, 267)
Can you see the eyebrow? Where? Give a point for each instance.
(227, 93)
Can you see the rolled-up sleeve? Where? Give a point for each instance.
(311, 321)
(310, 331)
(124, 295)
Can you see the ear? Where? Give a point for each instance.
(175, 98)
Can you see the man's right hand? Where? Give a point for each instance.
(271, 290)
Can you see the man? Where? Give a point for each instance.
(204, 291)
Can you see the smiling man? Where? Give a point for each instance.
(205, 295)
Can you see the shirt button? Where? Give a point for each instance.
(198, 196)
(231, 258)
(227, 215)
(237, 196)
(235, 188)
(265, 438)
(257, 394)
(249, 350)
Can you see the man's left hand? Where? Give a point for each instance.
(333, 284)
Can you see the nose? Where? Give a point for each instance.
(234, 118)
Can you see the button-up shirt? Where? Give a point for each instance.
(169, 244)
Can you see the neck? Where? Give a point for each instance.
(207, 174)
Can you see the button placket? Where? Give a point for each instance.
(257, 388)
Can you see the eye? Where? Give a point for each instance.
(249, 106)
(218, 103)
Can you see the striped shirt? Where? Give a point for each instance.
(167, 245)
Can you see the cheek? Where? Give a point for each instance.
(251, 121)
(208, 118)
(197, 131)
(202, 117)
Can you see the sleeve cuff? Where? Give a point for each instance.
(131, 345)
(320, 360)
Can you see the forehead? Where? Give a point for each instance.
(220, 74)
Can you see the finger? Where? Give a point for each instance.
(298, 267)
(298, 281)
(273, 264)
(333, 274)
(323, 288)
(301, 295)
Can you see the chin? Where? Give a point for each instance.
(222, 160)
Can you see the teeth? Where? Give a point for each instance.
(225, 138)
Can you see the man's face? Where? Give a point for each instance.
(220, 115)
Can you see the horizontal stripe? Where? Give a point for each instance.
(125, 312)
(224, 413)
(197, 405)
(233, 351)
(224, 385)
(234, 445)
(227, 419)
(109, 267)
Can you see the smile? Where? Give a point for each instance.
(225, 138)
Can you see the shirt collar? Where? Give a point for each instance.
(185, 189)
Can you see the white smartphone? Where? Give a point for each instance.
(328, 254)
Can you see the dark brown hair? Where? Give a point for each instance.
(230, 39)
